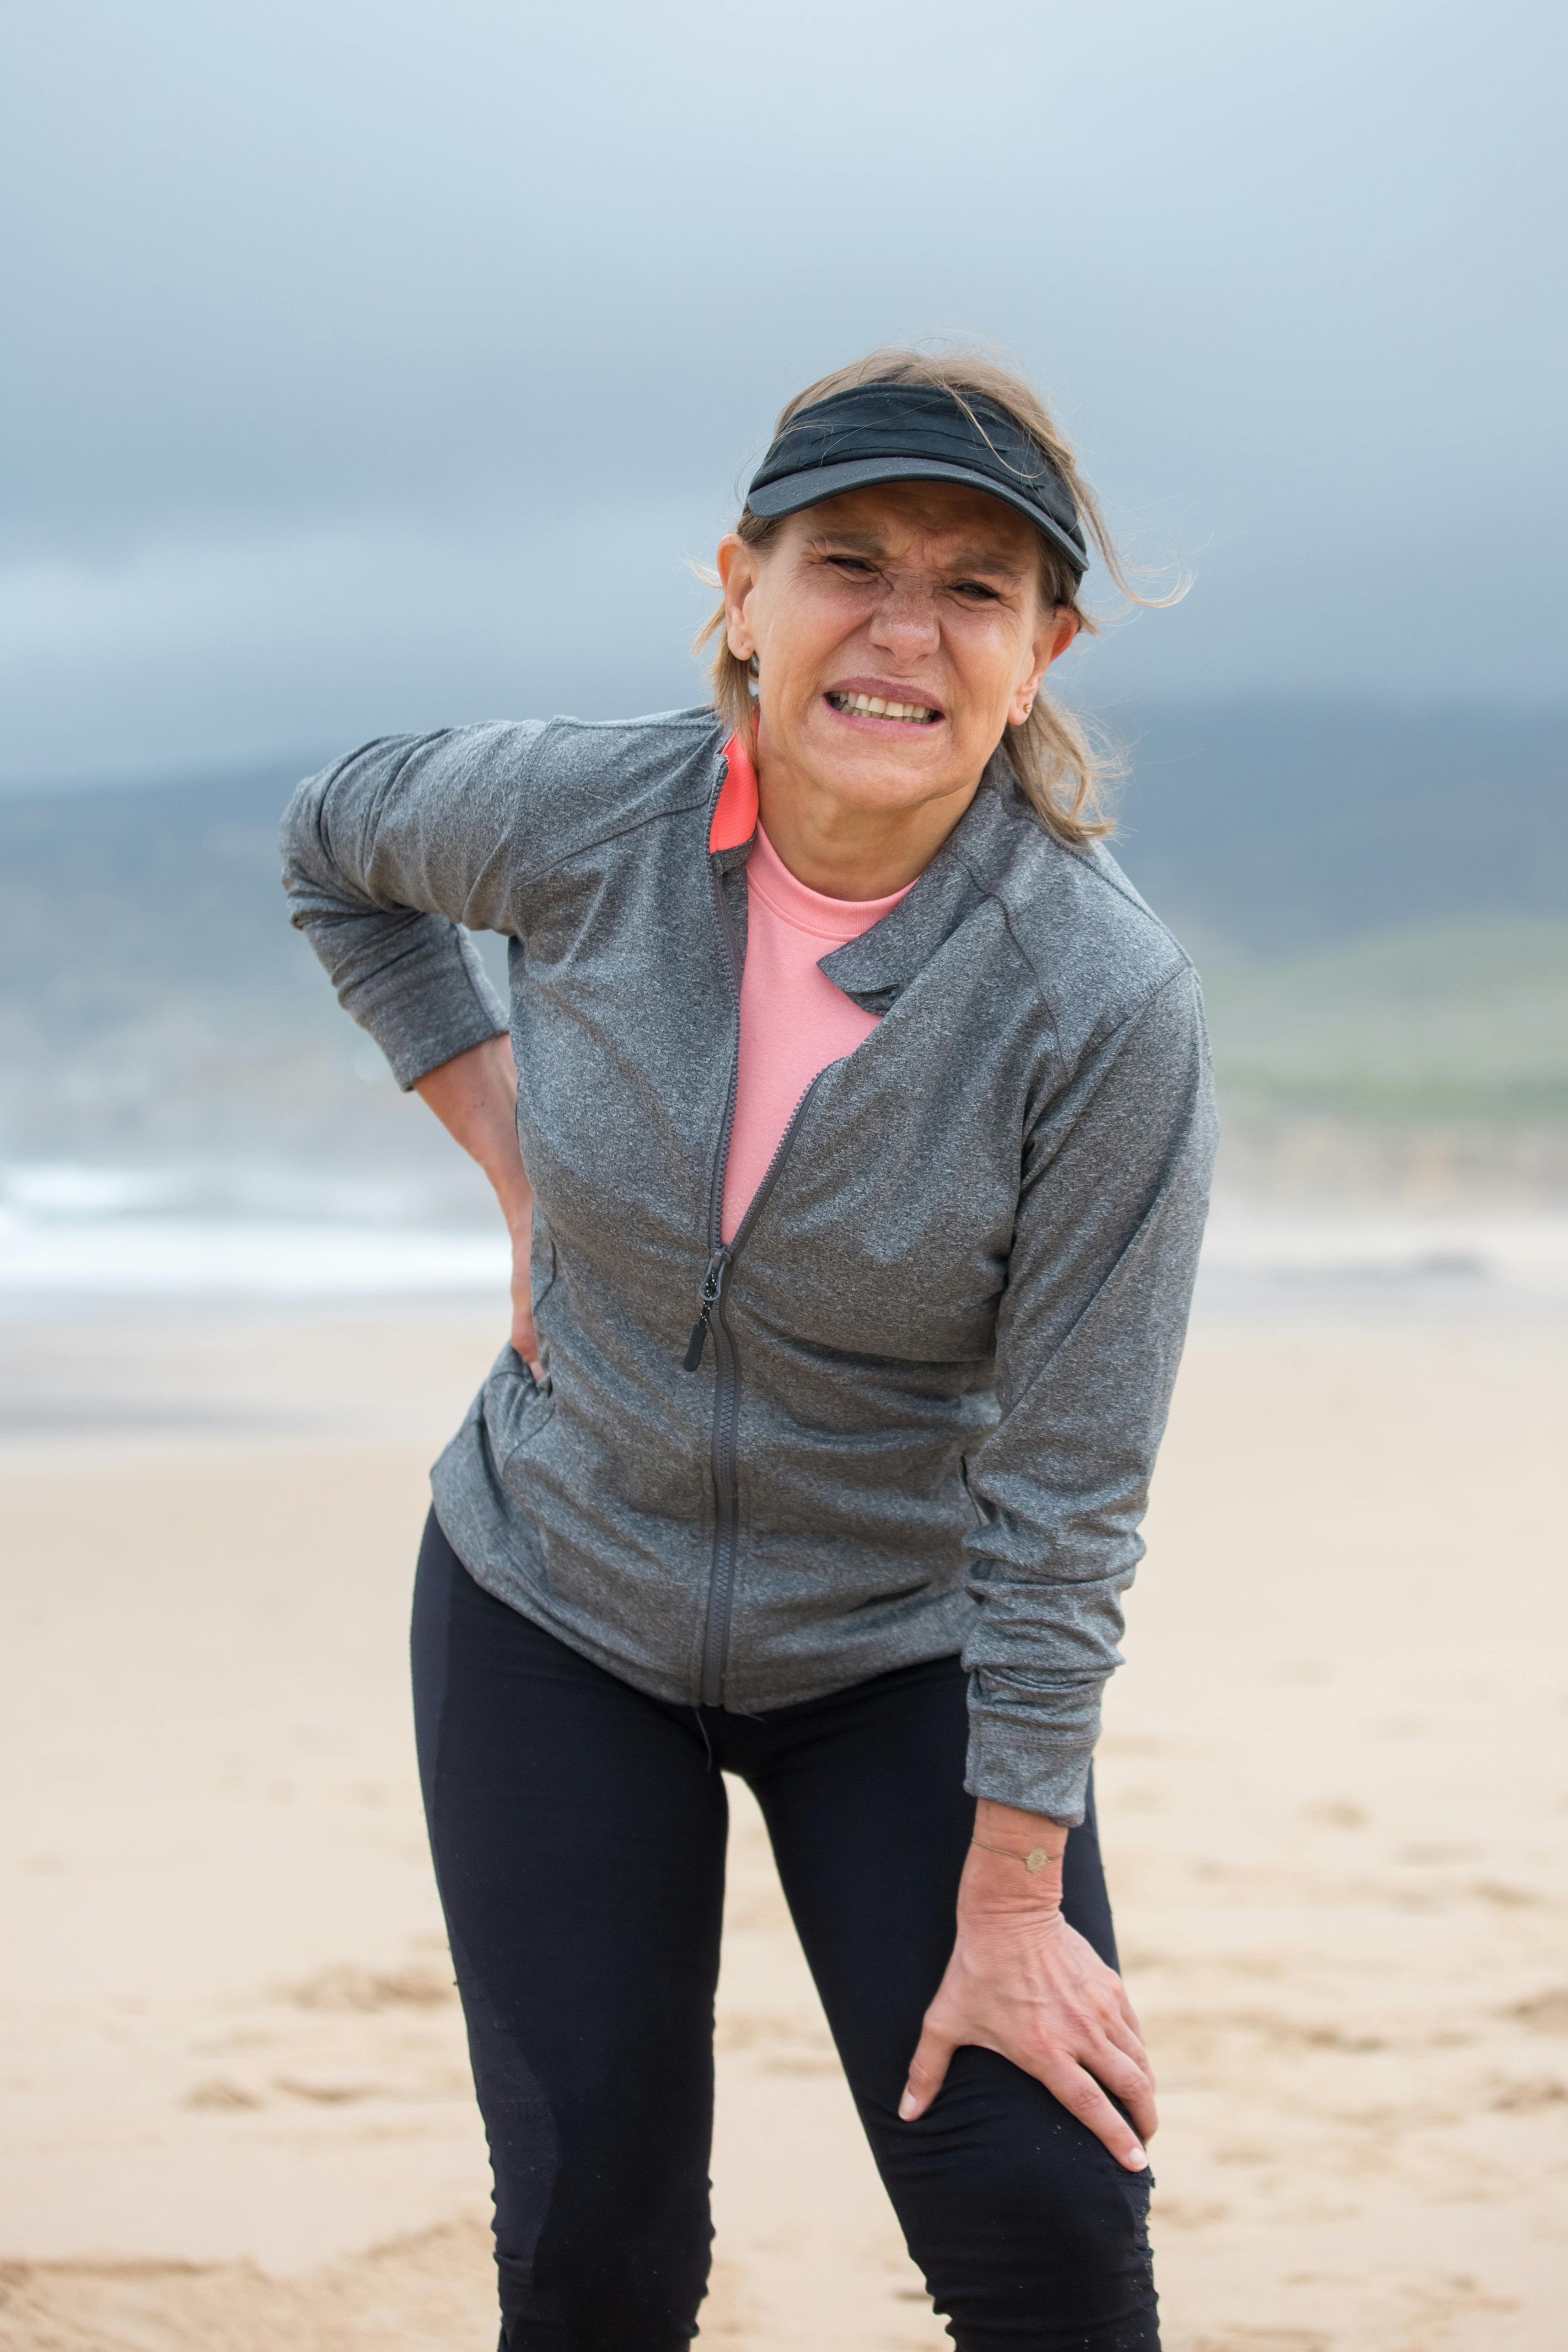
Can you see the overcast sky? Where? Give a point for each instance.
(380, 364)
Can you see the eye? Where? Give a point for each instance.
(855, 567)
(975, 592)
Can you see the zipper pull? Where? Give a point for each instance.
(712, 1284)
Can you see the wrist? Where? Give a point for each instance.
(993, 1883)
(515, 1197)
(1014, 1861)
(1018, 1832)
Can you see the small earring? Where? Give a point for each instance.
(753, 674)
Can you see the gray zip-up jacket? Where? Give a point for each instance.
(936, 1357)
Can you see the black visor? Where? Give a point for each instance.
(916, 432)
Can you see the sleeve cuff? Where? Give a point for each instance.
(1018, 1756)
(428, 1002)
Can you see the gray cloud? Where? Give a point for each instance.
(380, 364)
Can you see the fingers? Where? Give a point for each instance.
(1130, 2081)
(928, 2072)
(1073, 2084)
(1124, 2037)
(1128, 2014)
(1120, 2028)
(1117, 2059)
(524, 1338)
(1057, 2012)
(1126, 2081)
(1082, 2097)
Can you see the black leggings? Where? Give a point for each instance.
(578, 1829)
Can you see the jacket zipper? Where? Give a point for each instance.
(711, 1316)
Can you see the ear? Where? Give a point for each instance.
(738, 574)
(1056, 633)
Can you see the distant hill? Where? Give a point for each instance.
(1274, 828)
(168, 885)
(1379, 903)
(1465, 1019)
(154, 1001)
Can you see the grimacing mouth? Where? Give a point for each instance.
(876, 706)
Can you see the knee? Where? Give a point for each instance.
(602, 2239)
(1028, 2230)
(594, 2299)
(614, 2259)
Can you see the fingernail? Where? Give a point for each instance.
(906, 2107)
(1136, 2159)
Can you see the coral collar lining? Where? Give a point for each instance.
(735, 818)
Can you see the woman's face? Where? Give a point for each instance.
(921, 595)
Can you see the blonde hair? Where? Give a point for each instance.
(1060, 771)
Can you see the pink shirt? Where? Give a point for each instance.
(794, 1021)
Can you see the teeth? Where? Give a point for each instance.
(871, 706)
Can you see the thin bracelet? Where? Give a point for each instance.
(1035, 1860)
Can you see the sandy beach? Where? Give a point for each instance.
(1334, 1788)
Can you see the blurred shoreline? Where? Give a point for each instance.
(1317, 1216)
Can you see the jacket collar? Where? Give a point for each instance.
(734, 821)
(875, 968)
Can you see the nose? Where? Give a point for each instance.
(905, 622)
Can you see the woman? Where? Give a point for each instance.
(853, 1130)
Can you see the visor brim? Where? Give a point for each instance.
(813, 484)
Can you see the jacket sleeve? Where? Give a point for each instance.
(385, 855)
(1089, 1332)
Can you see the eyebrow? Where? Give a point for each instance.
(863, 543)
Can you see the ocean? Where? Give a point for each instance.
(73, 1235)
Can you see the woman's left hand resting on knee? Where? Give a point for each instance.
(1025, 1984)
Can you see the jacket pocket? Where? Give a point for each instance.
(517, 1407)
